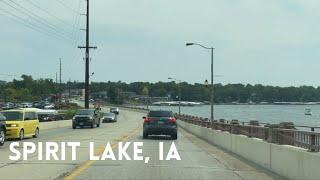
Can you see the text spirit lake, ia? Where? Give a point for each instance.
(53, 151)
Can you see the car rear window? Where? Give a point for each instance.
(160, 114)
(109, 115)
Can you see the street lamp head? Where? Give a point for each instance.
(189, 44)
(170, 78)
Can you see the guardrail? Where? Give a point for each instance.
(278, 135)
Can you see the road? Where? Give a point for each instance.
(199, 160)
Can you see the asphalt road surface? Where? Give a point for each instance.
(199, 160)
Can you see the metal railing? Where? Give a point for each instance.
(277, 135)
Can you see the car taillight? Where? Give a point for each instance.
(173, 120)
(148, 120)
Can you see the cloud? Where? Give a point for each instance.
(257, 41)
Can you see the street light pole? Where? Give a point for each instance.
(179, 98)
(179, 89)
(211, 97)
(211, 88)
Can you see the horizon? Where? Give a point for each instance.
(154, 82)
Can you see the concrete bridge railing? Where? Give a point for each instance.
(286, 160)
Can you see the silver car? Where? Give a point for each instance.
(109, 117)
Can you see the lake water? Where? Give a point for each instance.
(262, 113)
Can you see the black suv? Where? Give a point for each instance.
(160, 123)
(86, 117)
(2, 129)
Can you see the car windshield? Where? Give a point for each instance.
(13, 115)
(109, 115)
(85, 112)
(113, 109)
(160, 114)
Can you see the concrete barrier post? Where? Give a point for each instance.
(312, 141)
(249, 131)
(270, 135)
(231, 129)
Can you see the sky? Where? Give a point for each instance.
(269, 42)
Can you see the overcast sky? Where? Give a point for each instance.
(270, 42)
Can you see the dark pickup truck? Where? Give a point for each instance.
(86, 117)
(2, 129)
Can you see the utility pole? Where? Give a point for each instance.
(55, 99)
(60, 85)
(69, 87)
(87, 59)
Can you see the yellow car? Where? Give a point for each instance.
(21, 123)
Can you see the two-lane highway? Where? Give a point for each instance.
(199, 160)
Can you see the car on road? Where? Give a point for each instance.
(2, 129)
(109, 117)
(21, 123)
(160, 122)
(114, 110)
(86, 117)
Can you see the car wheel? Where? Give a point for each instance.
(98, 125)
(74, 126)
(174, 136)
(21, 134)
(36, 133)
(92, 125)
(145, 135)
(2, 137)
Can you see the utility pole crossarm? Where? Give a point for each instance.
(90, 47)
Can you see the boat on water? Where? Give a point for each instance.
(176, 103)
(308, 112)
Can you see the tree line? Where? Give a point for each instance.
(29, 89)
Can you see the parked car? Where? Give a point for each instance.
(160, 122)
(86, 117)
(109, 117)
(48, 117)
(21, 123)
(114, 110)
(9, 105)
(49, 106)
(1, 105)
(40, 104)
(2, 129)
(26, 105)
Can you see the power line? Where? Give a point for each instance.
(68, 7)
(50, 14)
(45, 22)
(40, 20)
(77, 23)
(29, 24)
